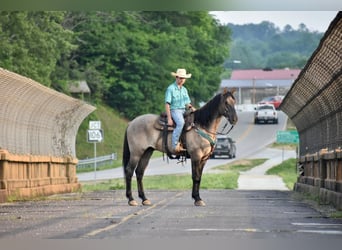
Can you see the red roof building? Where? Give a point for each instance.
(275, 74)
(255, 84)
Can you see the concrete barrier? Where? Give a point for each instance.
(322, 176)
(27, 176)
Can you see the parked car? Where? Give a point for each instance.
(225, 146)
(265, 113)
(275, 100)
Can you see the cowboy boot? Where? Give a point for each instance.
(179, 149)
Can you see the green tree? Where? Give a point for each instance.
(129, 55)
(31, 43)
(264, 45)
(125, 56)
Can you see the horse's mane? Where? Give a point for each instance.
(206, 114)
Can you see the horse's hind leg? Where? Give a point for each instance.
(139, 171)
(128, 171)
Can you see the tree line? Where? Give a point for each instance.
(264, 45)
(125, 56)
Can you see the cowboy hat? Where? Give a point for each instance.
(181, 73)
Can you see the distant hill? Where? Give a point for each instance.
(266, 46)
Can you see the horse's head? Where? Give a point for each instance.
(228, 107)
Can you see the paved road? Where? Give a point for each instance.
(229, 214)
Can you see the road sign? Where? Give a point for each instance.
(94, 124)
(288, 136)
(95, 135)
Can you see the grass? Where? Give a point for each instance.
(285, 146)
(226, 178)
(287, 171)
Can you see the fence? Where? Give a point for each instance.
(100, 161)
(314, 104)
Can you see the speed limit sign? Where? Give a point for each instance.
(95, 135)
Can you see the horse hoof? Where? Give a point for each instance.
(133, 203)
(147, 203)
(200, 203)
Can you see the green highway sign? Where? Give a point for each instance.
(287, 136)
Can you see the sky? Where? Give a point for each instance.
(313, 20)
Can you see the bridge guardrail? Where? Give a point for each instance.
(101, 160)
(314, 105)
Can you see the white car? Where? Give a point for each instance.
(265, 113)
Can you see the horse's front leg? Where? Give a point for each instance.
(197, 169)
(145, 201)
(139, 172)
(128, 170)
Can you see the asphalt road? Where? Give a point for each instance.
(229, 214)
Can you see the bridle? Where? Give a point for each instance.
(227, 109)
(205, 133)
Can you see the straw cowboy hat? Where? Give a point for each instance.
(181, 73)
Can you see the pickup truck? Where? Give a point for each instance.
(265, 113)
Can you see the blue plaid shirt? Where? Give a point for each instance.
(177, 97)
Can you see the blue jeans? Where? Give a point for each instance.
(178, 118)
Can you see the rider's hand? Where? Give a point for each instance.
(170, 122)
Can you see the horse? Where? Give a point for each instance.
(142, 138)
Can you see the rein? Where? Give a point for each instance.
(214, 133)
(205, 134)
(224, 127)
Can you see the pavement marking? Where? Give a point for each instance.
(319, 228)
(252, 230)
(247, 131)
(333, 232)
(255, 230)
(316, 224)
(128, 217)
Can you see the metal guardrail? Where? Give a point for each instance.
(101, 160)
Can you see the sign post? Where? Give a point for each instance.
(287, 136)
(94, 135)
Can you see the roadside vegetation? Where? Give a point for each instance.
(223, 177)
(287, 170)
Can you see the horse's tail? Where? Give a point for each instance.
(126, 153)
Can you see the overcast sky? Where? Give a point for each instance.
(313, 20)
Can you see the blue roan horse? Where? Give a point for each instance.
(142, 138)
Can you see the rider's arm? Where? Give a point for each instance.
(168, 113)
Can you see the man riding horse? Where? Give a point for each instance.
(176, 101)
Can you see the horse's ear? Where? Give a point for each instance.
(225, 91)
